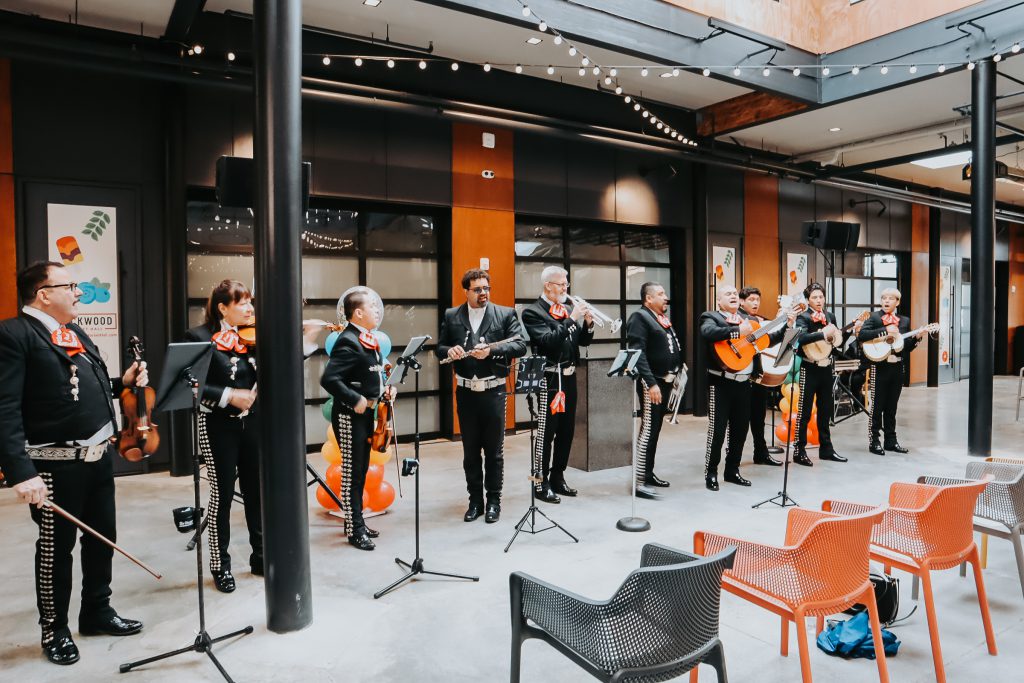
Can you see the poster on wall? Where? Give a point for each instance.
(84, 239)
(723, 265)
(796, 272)
(945, 311)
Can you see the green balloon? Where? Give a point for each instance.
(326, 408)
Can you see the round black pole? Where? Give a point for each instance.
(983, 126)
(279, 217)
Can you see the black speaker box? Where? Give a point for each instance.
(831, 235)
(236, 182)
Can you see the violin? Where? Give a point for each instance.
(139, 437)
(383, 431)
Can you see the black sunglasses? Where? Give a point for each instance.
(71, 286)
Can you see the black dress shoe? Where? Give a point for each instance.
(224, 581)
(802, 459)
(648, 493)
(61, 650)
(561, 488)
(655, 480)
(473, 512)
(876, 448)
(896, 447)
(361, 540)
(833, 456)
(547, 495)
(711, 482)
(736, 478)
(493, 513)
(256, 564)
(766, 459)
(372, 533)
(111, 626)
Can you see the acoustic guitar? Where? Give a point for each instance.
(821, 350)
(877, 350)
(735, 355)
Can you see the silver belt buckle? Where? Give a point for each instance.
(477, 384)
(571, 370)
(670, 377)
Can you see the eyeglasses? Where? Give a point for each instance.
(480, 290)
(72, 286)
(564, 285)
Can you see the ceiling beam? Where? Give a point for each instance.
(183, 14)
(840, 171)
(744, 111)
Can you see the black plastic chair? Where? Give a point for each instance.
(660, 623)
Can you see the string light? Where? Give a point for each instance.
(796, 71)
(825, 71)
(607, 80)
(585, 61)
(572, 50)
(455, 66)
(766, 72)
(628, 99)
(855, 70)
(519, 68)
(543, 26)
(884, 70)
(198, 49)
(997, 57)
(644, 72)
(597, 71)
(614, 72)
(736, 71)
(706, 71)
(913, 69)
(231, 56)
(558, 39)
(359, 61)
(970, 66)
(526, 11)
(582, 72)
(487, 67)
(942, 68)
(391, 64)
(1016, 48)
(675, 72)
(327, 60)
(618, 90)
(551, 70)
(423, 64)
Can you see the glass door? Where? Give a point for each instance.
(948, 319)
(963, 369)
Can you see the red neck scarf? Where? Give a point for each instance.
(663, 320)
(890, 319)
(227, 340)
(67, 340)
(819, 317)
(558, 312)
(368, 341)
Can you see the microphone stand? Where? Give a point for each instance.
(783, 499)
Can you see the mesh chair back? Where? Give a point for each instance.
(1003, 499)
(929, 522)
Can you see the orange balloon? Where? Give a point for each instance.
(784, 406)
(331, 438)
(382, 497)
(333, 478)
(782, 432)
(326, 502)
(812, 438)
(379, 458)
(374, 477)
(366, 499)
(331, 453)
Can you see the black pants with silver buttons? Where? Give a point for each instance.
(482, 423)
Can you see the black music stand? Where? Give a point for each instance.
(789, 345)
(624, 365)
(402, 365)
(529, 376)
(181, 384)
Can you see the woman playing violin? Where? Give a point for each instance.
(228, 433)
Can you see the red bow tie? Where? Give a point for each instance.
(890, 319)
(558, 311)
(368, 341)
(733, 318)
(663, 320)
(228, 340)
(67, 340)
(819, 317)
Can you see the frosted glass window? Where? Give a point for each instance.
(405, 278)
(840, 297)
(538, 241)
(528, 284)
(851, 314)
(333, 230)
(326, 277)
(217, 226)
(205, 271)
(312, 370)
(638, 275)
(885, 265)
(603, 351)
(405, 418)
(196, 316)
(595, 282)
(858, 291)
(428, 375)
(389, 232)
(880, 285)
(646, 246)
(316, 432)
(598, 245)
(403, 322)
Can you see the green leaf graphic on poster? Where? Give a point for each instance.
(99, 222)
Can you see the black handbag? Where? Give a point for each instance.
(887, 597)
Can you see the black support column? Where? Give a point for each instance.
(278, 139)
(983, 126)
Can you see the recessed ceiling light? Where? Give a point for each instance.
(371, 3)
(834, 129)
(667, 74)
(944, 160)
(534, 40)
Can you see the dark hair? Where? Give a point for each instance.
(32, 277)
(353, 300)
(747, 292)
(645, 288)
(814, 286)
(226, 292)
(474, 274)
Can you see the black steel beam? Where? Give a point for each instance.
(983, 128)
(840, 171)
(183, 14)
(278, 212)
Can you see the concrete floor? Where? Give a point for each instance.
(441, 630)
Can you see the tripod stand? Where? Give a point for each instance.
(185, 365)
(624, 365)
(783, 499)
(773, 449)
(531, 371)
(412, 466)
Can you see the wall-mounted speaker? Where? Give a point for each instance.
(831, 235)
(236, 182)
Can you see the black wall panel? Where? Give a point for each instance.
(725, 200)
(828, 204)
(591, 181)
(651, 190)
(350, 151)
(900, 227)
(796, 205)
(419, 160)
(540, 175)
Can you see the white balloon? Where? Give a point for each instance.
(376, 305)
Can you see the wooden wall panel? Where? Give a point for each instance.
(1015, 313)
(486, 233)
(761, 238)
(470, 158)
(8, 250)
(917, 307)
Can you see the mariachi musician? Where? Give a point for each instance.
(650, 330)
(354, 377)
(816, 376)
(228, 431)
(557, 330)
(886, 382)
(56, 421)
(729, 392)
(760, 395)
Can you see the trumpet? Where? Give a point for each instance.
(600, 318)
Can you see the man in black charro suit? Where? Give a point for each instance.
(56, 420)
(480, 395)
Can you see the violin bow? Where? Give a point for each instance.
(88, 529)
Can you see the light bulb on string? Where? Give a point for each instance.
(618, 90)
(766, 72)
(913, 68)
(675, 72)
(796, 71)
(628, 99)
(526, 11)
(198, 49)
(519, 68)
(825, 71)
(326, 60)
(231, 56)
(359, 61)
(644, 72)
(572, 50)
(585, 61)
(558, 39)
(607, 80)
(942, 68)
(855, 70)
(582, 71)
(391, 64)
(884, 70)
(706, 71)
(423, 64)
(636, 107)
(487, 67)
(614, 72)
(736, 71)
(455, 66)
(997, 57)
(970, 66)
(597, 71)
(543, 26)
(1016, 48)
(646, 114)
(660, 126)
(551, 70)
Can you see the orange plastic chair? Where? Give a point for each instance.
(822, 569)
(928, 528)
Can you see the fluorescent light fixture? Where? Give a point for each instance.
(834, 129)
(533, 41)
(371, 3)
(945, 160)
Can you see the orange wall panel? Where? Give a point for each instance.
(920, 272)
(1015, 314)
(469, 161)
(761, 266)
